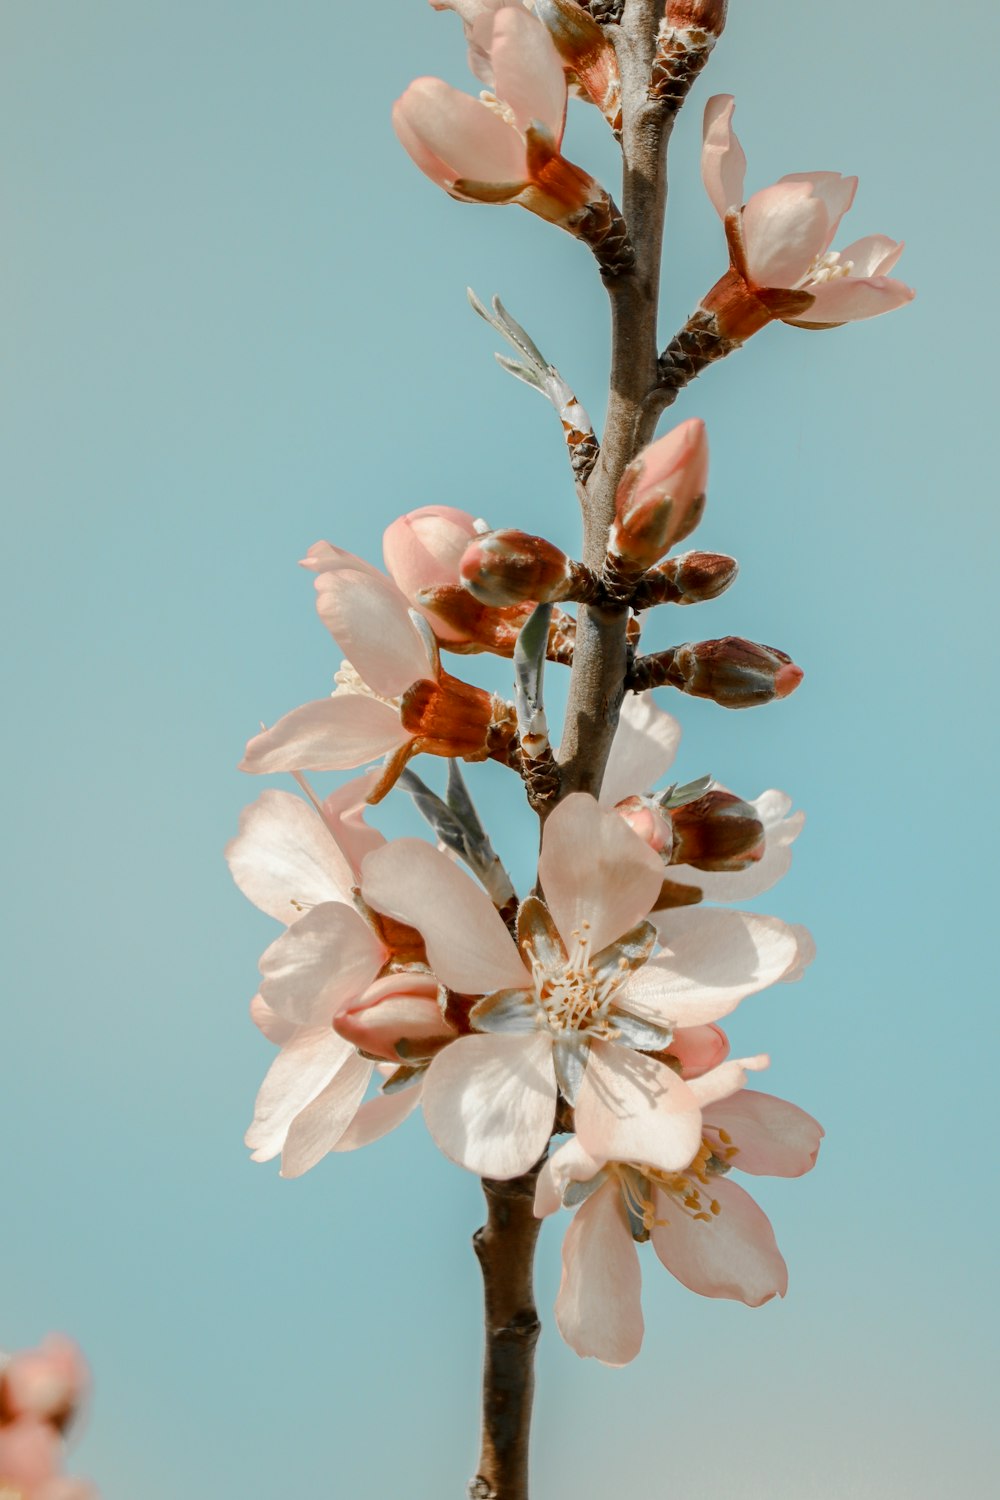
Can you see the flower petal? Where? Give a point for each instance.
(723, 164)
(712, 960)
(268, 1024)
(595, 870)
(343, 812)
(728, 1078)
(635, 1109)
(369, 618)
(490, 1102)
(468, 946)
(284, 854)
(643, 750)
(874, 255)
(423, 550)
(527, 71)
(850, 299)
(804, 956)
(781, 828)
(318, 1127)
(599, 1308)
(378, 1116)
(332, 734)
(734, 1255)
(836, 192)
(784, 230)
(773, 1138)
(451, 136)
(301, 1071)
(322, 962)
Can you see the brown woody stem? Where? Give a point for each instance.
(506, 1249)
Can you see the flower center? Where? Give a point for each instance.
(828, 267)
(577, 995)
(684, 1189)
(350, 683)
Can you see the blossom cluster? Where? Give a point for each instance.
(41, 1392)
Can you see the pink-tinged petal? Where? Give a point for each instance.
(836, 192)
(369, 619)
(711, 960)
(633, 1108)
(734, 1255)
(490, 1102)
(698, 1048)
(324, 557)
(451, 136)
(599, 1308)
(570, 1163)
(321, 963)
(301, 1071)
(48, 1383)
(595, 870)
(781, 829)
(62, 1487)
(849, 300)
(378, 1116)
(468, 946)
(423, 550)
(874, 255)
(772, 1137)
(331, 734)
(284, 858)
(30, 1453)
(270, 1025)
(784, 230)
(317, 1128)
(643, 750)
(527, 70)
(805, 953)
(728, 1078)
(343, 812)
(723, 164)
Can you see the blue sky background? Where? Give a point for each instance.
(233, 321)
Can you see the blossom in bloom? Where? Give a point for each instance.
(660, 499)
(578, 1004)
(643, 750)
(780, 244)
(287, 860)
(505, 146)
(392, 696)
(706, 1230)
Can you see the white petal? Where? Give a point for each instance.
(283, 854)
(733, 1255)
(711, 960)
(490, 1101)
(331, 734)
(634, 1109)
(323, 961)
(772, 1137)
(643, 750)
(368, 617)
(468, 946)
(318, 1128)
(598, 1309)
(301, 1070)
(723, 164)
(378, 1116)
(268, 1024)
(593, 869)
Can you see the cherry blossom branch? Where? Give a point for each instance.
(505, 1246)
(599, 662)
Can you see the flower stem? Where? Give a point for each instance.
(505, 1246)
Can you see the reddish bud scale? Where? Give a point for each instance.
(689, 579)
(718, 831)
(511, 567)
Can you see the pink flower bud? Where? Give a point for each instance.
(422, 550)
(509, 567)
(734, 672)
(717, 832)
(48, 1383)
(397, 1018)
(646, 819)
(661, 496)
(690, 578)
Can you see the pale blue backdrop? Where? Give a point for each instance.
(233, 321)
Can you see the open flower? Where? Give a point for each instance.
(287, 861)
(782, 264)
(706, 1230)
(392, 696)
(578, 1004)
(505, 146)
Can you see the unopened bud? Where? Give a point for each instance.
(398, 1018)
(690, 578)
(509, 567)
(587, 55)
(701, 15)
(660, 499)
(732, 672)
(646, 818)
(46, 1384)
(422, 550)
(718, 831)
